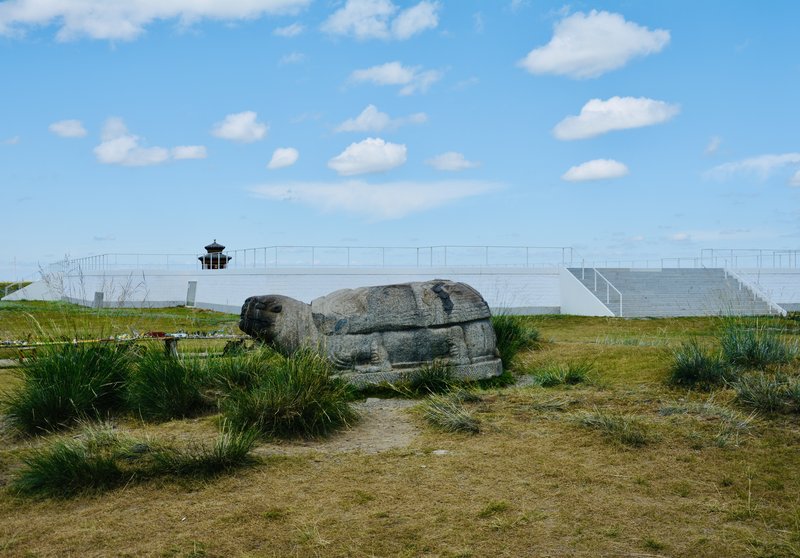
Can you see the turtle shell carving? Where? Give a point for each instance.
(382, 333)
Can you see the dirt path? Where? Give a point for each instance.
(385, 424)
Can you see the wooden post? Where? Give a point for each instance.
(171, 346)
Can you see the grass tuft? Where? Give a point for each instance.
(695, 367)
(625, 429)
(755, 346)
(555, 374)
(295, 397)
(449, 414)
(162, 387)
(434, 377)
(766, 393)
(513, 336)
(67, 383)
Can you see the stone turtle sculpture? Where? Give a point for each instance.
(375, 334)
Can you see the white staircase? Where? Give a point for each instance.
(673, 292)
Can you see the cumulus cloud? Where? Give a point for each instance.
(597, 169)
(373, 120)
(412, 78)
(382, 19)
(189, 152)
(288, 31)
(116, 20)
(589, 45)
(762, 166)
(370, 155)
(68, 128)
(242, 127)
(391, 200)
(283, 157)
(120, 147)
(617, 113)
(451, 161)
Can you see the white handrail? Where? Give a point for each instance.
(757, 291)
(609, 286)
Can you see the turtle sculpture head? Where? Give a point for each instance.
(279, 320)
(383, 333)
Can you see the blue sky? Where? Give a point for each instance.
(633, 129)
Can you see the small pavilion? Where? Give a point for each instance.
(214, 258)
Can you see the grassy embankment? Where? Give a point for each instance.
(616, 462)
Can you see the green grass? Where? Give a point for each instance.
(67, 383)
(555, 374)
(297, 396)
(448, 413)
(624, 429)
(513, 336)
(435, 377)
(694, 366)
(767, 393)
(100, 459)
(752, 345)
(161, 387)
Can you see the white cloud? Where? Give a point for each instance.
(242, 127)
(292, 58)
(189, 152)
(126, 20)
(598, 169)
(373, 120)
(288, 31)
(795, 180)
(11, 141)
(680, 237)
(68, 128)
(120, 147)
(283, 157)
(370, 155)
(617, 113)
(589, 45)
(478, 23)
(412, 78)
(713, 145)
(380, 19)
(391, 200)
(451, 161)
(762, 166)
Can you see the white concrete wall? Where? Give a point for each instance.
(576, 299)
(514, 290)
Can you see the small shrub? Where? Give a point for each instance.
(436, 377)
(513, 336)
(695, 367)
(296, 397)
(66, 383)
(763, 392)
(448, 414)
(625, 429)
(755, 346)
(163, 387)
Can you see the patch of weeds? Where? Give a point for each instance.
(766, 393)
(100, 459)
(161, 387)
(67, 383)
(750, 345)
(296, 397)
(653, 544)
(275, 514)
(493, 508)
(625, 429)
(434, 377)
(733, 425)
(360, 497)
(513, 336)
(555, 374)
(240, 369)
(693, 366)
(449, 414)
